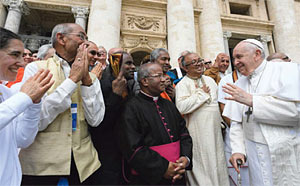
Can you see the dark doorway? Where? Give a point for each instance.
(138, 56)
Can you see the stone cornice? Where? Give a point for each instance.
(57, 5)
(247, 22)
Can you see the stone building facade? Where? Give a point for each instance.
(205, 26)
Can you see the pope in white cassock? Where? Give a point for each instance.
(264, 113)
(196, 98)
(19, 111)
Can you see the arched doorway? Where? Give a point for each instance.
(138, 56)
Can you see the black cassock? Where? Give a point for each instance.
(147, 123)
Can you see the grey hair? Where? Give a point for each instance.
(143, 71)
(43, 51)
(60, 28)
(183, 62)
(156, 53)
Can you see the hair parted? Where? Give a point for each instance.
(6, 36)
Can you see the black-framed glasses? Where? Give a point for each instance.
(196, 62)
(207, 62)
(156, 76)
(81, 35)
(94, 52)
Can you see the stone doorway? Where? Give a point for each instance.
(138, 56)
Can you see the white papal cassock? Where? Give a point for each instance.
(270, 138)
(19, 119)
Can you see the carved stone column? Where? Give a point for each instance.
(264, 40)
(226, 36)
(3, 15)
(286, 32)
(104, 23)
(16, 8)
(181, 28)
(80, 15)
(211, 34)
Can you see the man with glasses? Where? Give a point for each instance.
(207, 64)
(196, 99)
(177, 73)
(152, 134)
(278, 57)
(63, 150)
(217, 71)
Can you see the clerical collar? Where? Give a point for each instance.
(153, 97)
(258, 70)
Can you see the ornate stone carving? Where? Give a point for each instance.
(80, 12)
(143, 23)
(17, 5)
(131, 42)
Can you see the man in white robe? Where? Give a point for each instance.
(196, 99)
(19, 112)
(264, 114)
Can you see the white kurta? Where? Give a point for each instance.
(274, 122)
(19, 119)
(203, 119)
(244, 170)
(60, 99)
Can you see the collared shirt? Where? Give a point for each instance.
(19, 119)
(60, 99)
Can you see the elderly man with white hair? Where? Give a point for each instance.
(264, 113)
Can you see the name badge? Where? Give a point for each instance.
(74, 116)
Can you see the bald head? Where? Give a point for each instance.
(115, 50)
(278, 56)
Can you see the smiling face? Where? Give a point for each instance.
(128, 66)
(194, 65)
(92, 53)
(246, 58)
(164, 61)
(11, 59)
(224, 63)
(27, 56)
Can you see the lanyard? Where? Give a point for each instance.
(74, 116)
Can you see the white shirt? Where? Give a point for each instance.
(19, 119)
(60, 99)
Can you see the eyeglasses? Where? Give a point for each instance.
(27, 54)
(156, 76)
(94, 52)
(196, 62)
(81, 35)
(207, 62)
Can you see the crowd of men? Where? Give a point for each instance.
(78, 115)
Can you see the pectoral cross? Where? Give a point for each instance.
(248, 113)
